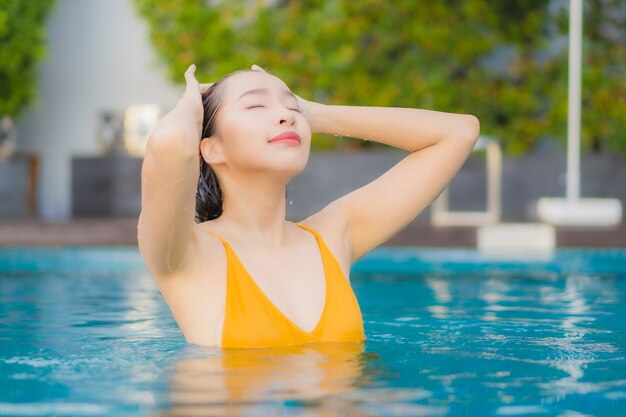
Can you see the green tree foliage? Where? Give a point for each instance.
(504, 61)
(22, 46)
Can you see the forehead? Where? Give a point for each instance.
(249, 80)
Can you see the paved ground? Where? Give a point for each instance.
(123, 231)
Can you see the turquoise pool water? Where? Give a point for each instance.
(85, 332)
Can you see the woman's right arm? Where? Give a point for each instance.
(169, 178)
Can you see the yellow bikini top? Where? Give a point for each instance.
(253, 321)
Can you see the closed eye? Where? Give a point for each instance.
(255, 106)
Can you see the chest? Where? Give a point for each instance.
(292, 281)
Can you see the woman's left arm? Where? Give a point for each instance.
(438, 142)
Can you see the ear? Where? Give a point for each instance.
(211, 150)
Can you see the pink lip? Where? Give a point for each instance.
(287, 137)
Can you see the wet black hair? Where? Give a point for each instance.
(209, 195)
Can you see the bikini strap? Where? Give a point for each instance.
(224, 242)
(307, 228)
(313, 232)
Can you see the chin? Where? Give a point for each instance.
(290, 167)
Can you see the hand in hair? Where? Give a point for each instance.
(192, 94)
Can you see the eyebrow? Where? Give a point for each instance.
(265, 91)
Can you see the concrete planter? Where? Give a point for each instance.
(18, 176)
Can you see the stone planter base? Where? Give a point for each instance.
(18, 186)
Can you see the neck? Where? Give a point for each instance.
(255, 205)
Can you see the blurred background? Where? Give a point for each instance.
(83, 82)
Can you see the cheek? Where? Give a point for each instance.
(305, 130)
(242, 137)
(238, 127)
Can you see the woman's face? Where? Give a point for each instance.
(256, 108)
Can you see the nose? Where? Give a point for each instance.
(287, 118)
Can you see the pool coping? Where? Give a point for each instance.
(420, 233)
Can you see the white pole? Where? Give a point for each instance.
(573, 111)
(573, 210)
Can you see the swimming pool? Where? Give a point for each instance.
(85, 332)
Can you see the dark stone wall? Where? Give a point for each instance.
(106, 186)
(110, 186)
(541, 173)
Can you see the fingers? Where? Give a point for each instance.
(189, 74)
(192, 84)
(255, 67)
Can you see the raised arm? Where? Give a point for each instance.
(439, 144)
(169, 178)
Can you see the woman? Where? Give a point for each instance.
(244, 276)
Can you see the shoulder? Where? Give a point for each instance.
(207, 243)
(205, 256)
(330, 224)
